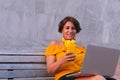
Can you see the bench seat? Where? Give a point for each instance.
(23, 66)
(28, 66)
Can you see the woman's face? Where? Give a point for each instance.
(69, 31)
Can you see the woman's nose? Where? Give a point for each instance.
(70, 30)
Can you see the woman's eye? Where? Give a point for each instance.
(68, 27)
(73, 28)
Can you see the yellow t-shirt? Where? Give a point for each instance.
(69, 67)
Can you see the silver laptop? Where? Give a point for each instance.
(99, 60)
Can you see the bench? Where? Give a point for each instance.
(28, 66)
(23, 66)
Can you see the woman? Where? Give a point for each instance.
(64, 56)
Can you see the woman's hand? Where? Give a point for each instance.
(68, 57)
(53, 65)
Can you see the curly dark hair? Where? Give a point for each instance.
(71, 19)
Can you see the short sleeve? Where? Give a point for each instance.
(54, 49)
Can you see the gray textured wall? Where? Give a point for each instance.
(29, 25)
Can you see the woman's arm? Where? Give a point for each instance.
(53, 65)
